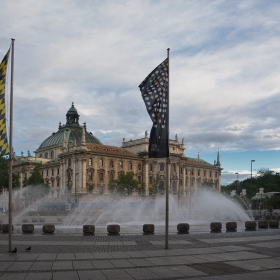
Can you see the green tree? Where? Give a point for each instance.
(36, 178)
(270, 202)
(4, 175)
(36, 188)
(125, 184)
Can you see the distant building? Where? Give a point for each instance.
(93, 165)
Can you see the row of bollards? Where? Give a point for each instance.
(150, 228)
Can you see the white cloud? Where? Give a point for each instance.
(224, 90)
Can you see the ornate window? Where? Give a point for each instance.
(130, 166)
(139, 166)
(161, 167)
(101, 162)
(216, 174)
(52, 172)
(46, 155)
(90, 189)
(111, 164)
(210, 174)
(150, 167)
(47, 172)
(41, 155)
(57, 184)
(139, 179)
(111, 176)
(198, 172)
(57, 171)
(101, 177)
(204, 173)
(90, 161)
(192, 172)
(52, 154)
(90, 175)
(150, 179)
(121, 164)
(181, 170)
(173, 167)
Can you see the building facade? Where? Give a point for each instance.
(77, 165)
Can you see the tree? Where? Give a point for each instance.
(270, 202)
(36, 178)
(36, 188)
(4, 175)
(125, 184)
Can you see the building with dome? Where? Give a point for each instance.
(78, 166)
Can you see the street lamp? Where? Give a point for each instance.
(252, 160)
(68, 171)
(76, 187)
(236, 182)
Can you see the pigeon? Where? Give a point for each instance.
(14, 251)
(28, 249)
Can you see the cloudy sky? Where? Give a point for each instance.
(224, 72)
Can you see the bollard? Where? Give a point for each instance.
(48, 228)
(113, 229)
(216, 226)
(27, 228)
(263, 224)
(88, 229)
(5, 227)
(231, 226)
(148, 228)
(250, 225)
(274, 223)
(183, 228)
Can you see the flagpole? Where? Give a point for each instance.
(11, 149)
(167, 164)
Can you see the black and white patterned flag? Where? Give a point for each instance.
(155, 93)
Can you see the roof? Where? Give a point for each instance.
(110, 150)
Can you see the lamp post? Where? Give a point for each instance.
(236, 182)
(68, 171)
(76, 187)
(252, 160)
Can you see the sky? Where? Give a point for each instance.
(224, 73)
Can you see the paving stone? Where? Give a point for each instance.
(82, 265)
(102, 264)
(122, 263)
(5, 265)
(137, 254)
(69, 275)
(119, 255)
(13, 276)
(58, 265)
(117, 274)
(188, 271)
(17, 266)
(93, 274)
(158, 261)
(175, 260)
(102, 255)
(65, 256)
(165, 272)
(37, 276)
(41, 266)
(83, 256)
(28, 257)
(140, 262)
(141, 273)
(47, 257)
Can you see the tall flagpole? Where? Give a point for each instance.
(11, 149)
(167, 165)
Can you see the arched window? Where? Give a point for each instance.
(130, 166)
(111, 164)
(46, 155)
(52, 154)
(101, 177)
(161, 167)
(150, 167)
(121, 164)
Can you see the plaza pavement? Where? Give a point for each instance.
(235, 255)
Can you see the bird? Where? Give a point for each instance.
(14, 251)
(28, 249)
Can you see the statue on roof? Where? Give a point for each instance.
(28, 153)
(22, 153)
(176, 137)
(146, 134)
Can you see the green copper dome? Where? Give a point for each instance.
(71, 131)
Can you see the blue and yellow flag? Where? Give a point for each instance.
(4, 147)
